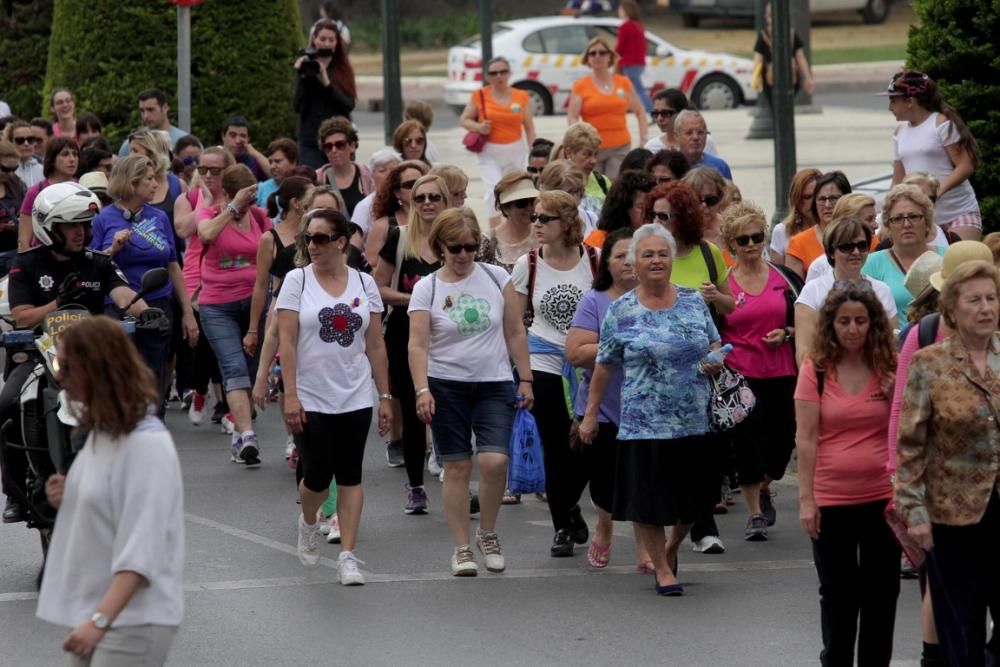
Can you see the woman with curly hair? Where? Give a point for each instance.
(667, 165)
(324, 88)
(800, 214)
(391, 207)
(623, 206)
(842, 416)
(410, 141)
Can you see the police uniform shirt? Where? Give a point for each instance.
(36, 276)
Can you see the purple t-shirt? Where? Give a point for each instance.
(589, 315)
(150, 246)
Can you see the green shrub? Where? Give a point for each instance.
(955, 43)
(242, 55)
(419, 32)
(24, 35)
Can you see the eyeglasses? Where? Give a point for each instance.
(27, 140)
(521, 203)
(330, 145)
(912, 218)
(711, 200)
(828, 199)
(660, 180)
(849, 247)
(416, 141)
(662, 216)
(190, 161)
(665, 113)
(542, 218)
(746, 239)
(318, 239)
(215, 171)
(598, 54)
(432, 197)
(8, 170)
(470, 248)
(499, 72)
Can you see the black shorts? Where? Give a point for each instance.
(333, 445)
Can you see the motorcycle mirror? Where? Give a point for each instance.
(153, 280)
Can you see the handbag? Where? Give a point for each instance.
(526, 472)
(476, 141)
(911, 550)
(731, 401)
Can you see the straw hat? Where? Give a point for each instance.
(959, 253)
(95, 181)
(522, 189)
(919, 276)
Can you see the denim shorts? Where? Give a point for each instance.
(464, 408)
(224, 325)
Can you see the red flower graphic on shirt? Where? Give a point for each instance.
(339, 324)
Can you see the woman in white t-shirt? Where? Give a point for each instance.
(846, 244)
(330, 334)
(932, 138)
(550, 282)
(465, 327)
(115, 568)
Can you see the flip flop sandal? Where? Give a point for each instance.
(599, 556)
(511, 498)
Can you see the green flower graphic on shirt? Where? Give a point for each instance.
(472, 315)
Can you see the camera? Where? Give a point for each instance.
(310, 66)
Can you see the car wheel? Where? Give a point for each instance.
(716, 91)
(875, 11)
(690, 20)
(541, 101)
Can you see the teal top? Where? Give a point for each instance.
(881, 266)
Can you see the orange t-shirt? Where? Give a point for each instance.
(606, 112)
(728, 258)
(507, 120)
(805, 247)
(596, 239)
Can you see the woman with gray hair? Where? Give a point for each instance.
(504, 116)
(660, 334)
(380, 164)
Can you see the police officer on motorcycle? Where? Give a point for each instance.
(59, 272)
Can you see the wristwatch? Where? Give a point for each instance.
(235, 211)
(788, 334)
(385, 397)
(100, 621)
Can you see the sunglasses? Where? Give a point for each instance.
(710, 200)
(849, 247)
(746, 239)
(407, 185)
(8, 170)
(433, 198)
(214, 171)
(330, 145)
(665, 113)
(499, 72)
(534, 170)
(27, 140)
(598, 54)
(521, 203)
(190, 160)
(318, 239)
(660, 180)
(542, 218)
(662, 216)
(470, 248)
(418, 141)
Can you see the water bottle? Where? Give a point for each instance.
(716, 356)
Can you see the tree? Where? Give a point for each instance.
(24, 33)
(955, 44)
(242, 55)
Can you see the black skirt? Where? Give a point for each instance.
(664, 482)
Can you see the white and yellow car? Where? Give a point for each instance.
(544, 55)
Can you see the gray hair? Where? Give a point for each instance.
(685, 114)
(646, 231)
(383, 156)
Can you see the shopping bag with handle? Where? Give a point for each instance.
(526, 473)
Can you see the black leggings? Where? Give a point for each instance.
(198, 367)
(414, 431)
(566, 469)
(333, 446)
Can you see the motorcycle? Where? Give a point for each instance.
(42, 421)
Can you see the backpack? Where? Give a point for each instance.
(927, 329)
(529, 312)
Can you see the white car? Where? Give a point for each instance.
(545, 52)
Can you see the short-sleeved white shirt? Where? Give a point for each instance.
(362, 216)
(467, 342)
(332, 372)
(814, 293)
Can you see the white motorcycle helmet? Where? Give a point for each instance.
(62, 203)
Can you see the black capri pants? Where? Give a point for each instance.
(763, 442)
(333, 445)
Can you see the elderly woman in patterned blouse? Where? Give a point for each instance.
(947, 464)
(659, 333)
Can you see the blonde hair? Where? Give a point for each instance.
(850, 205)
(585, 56)
(452, 225)
(227, 161)
(914, 195)
(556, 173)
(962, 274)
(563, 204)
(992, 240)
(737, 217)
(316, 191)
(580, 135)
(416, 228)
(454, 178)
(702, 177)
(126, 174)
(922, 179)
(156, 143)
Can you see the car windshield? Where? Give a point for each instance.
(498, 29)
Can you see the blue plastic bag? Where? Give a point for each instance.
(526, 473)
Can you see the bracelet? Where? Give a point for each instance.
(788, 334)
(235, 211)
(251, 331)
(385, 397)
(531, 381)
(420, 392)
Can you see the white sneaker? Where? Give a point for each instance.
(432, 465)
(196, 413)
(347, 569)
(489, 546)
(441, 476)
(289, 447)
(324, 523)
(308, 546)
(333, 535)
(710, 544)
(228, 423)
(463, 563)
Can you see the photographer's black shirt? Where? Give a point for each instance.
(36, 276)
(314, 103)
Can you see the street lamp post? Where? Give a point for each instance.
(391, 75)
(486, 34)
(782, 97)
(184, 61)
